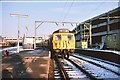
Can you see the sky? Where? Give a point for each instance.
(68, 11)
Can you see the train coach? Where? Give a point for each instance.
(62, 42)
(113, 42)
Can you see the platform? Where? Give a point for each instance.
(112, 56)
(27, 64)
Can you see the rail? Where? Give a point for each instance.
(84, 71)
(97, 65)
(63, 73)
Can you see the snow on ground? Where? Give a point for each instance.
(99, 72)
(109, 66)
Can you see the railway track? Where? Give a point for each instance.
(62, 71)
(77, 66)
(97, 70)
(66, 70)
(96, 59)
(101, 63)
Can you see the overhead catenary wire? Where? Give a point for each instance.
(64, 6)
(68, 11)
(94, 10)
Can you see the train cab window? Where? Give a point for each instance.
(58, 37)
(70, 37)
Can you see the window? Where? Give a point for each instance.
(70, 37)
(58, 37)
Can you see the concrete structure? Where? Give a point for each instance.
(3, 42)
(102, 25)
(28, 42)
(12, 39)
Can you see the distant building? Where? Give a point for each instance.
(12, 39)
(28, 42)
(3, 42)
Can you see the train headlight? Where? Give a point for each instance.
(57, 50)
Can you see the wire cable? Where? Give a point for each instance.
(68, 11)
(96, 8)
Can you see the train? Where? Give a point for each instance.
(113, 42)
(62, 43)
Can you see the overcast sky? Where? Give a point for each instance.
(49, 11)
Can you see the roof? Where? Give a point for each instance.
(62, 30)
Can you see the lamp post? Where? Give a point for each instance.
(18, 15)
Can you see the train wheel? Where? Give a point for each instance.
(62, 55)
(65, 55)
(68, 55)
(55, 55)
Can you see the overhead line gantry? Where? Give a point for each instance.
(57, 23)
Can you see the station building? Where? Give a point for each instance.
(13, 39)
(28, 42)
(103, 31)
(3, 42)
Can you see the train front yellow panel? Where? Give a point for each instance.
(63, 41)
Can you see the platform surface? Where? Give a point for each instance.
(26, 64)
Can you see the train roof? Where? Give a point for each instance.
(64, 30)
